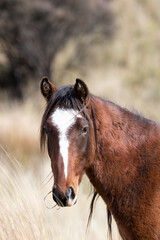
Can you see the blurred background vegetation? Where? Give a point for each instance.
(114, 46)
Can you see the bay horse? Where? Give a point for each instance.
(118, 150)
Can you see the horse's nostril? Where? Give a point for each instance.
(70, 193)
(67, 199)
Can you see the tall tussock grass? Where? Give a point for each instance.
(22, 214)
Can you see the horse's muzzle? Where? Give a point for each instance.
(67, 199)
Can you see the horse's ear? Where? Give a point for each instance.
(47, 88)
(81, 90)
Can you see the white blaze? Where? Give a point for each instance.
(64, 119)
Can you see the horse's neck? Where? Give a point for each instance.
(120, 137)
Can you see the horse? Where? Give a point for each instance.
(117, 149)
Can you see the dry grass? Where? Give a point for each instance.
(22, 215)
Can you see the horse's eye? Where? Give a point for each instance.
(84, 130)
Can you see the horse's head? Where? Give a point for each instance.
(68, 125)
